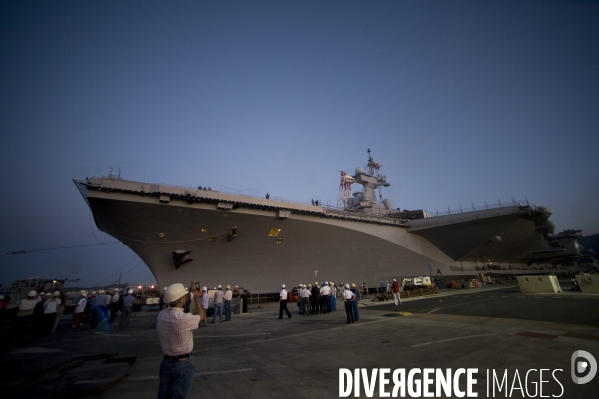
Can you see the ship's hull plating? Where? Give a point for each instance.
(308, 247)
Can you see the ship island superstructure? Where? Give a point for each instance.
(185, 234)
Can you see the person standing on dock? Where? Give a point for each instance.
(355, 301)
(59, 310)
(315, 299)
(50, 305)
(348, 300)
(24, 317)
(395, 289)
(205, 304)
(128, 301)
(218, 304)
(305, 295)
(333, 298)
(228, 297)
(325, 295)
(79, 309)
(300, 303)
(283, 303)
(114, 305)
(175, 331)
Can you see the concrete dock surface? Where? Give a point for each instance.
(497, 330)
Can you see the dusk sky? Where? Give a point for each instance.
(461, 102)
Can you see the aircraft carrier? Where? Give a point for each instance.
(184, 233)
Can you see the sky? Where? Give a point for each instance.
(461, 102)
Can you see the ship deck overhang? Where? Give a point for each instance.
(498, 235)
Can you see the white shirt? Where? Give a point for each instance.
(218, 296)
(175, 331)
(204, 300)
(283, 295)
(80, 305)
(325, 290)
(305, 293)
(28, 303)
(50, 305)
(348, 295)
(115, 298)
(228, 295)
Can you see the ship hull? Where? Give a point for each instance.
(306, 247)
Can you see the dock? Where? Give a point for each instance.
(257, 355)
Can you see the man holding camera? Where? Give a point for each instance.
(175, 330)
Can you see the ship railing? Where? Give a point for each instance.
(519, 203)
(222, 189)
(355, 215)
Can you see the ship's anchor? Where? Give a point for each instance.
(180, 257)
(232, 233)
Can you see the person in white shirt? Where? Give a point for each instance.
(228, 297)
(283, 303)
(300, 303)
(128, 302)
(305, 298)
(325, 294)
(333, 299)
(24, 317)
(205, 304)
(175, 330)
(218, 304)
(114, 305)
(59, 310)
(348, 298)
(79, 308)
(49, 314)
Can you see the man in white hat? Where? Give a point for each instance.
(218, 304)
(114, 305)
(79, 308)
(333, 300)
(228, 297)
(305, 298)
(325, 295)
(59, 309)
(175, 330)
(205, 304)
(128, 302)
(283, 303)
(348, 298)
(25, 316)
(49, 313)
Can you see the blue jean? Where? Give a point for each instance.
(355, 307)
(175, 378)
(228, 310)
(124, 323)
(218, 307)
(333, 303)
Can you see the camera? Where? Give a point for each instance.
(197, 285)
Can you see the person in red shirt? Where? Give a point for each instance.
(395, 289)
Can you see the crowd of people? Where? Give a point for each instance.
(181, 311)
(322, 299)
(40, 313)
